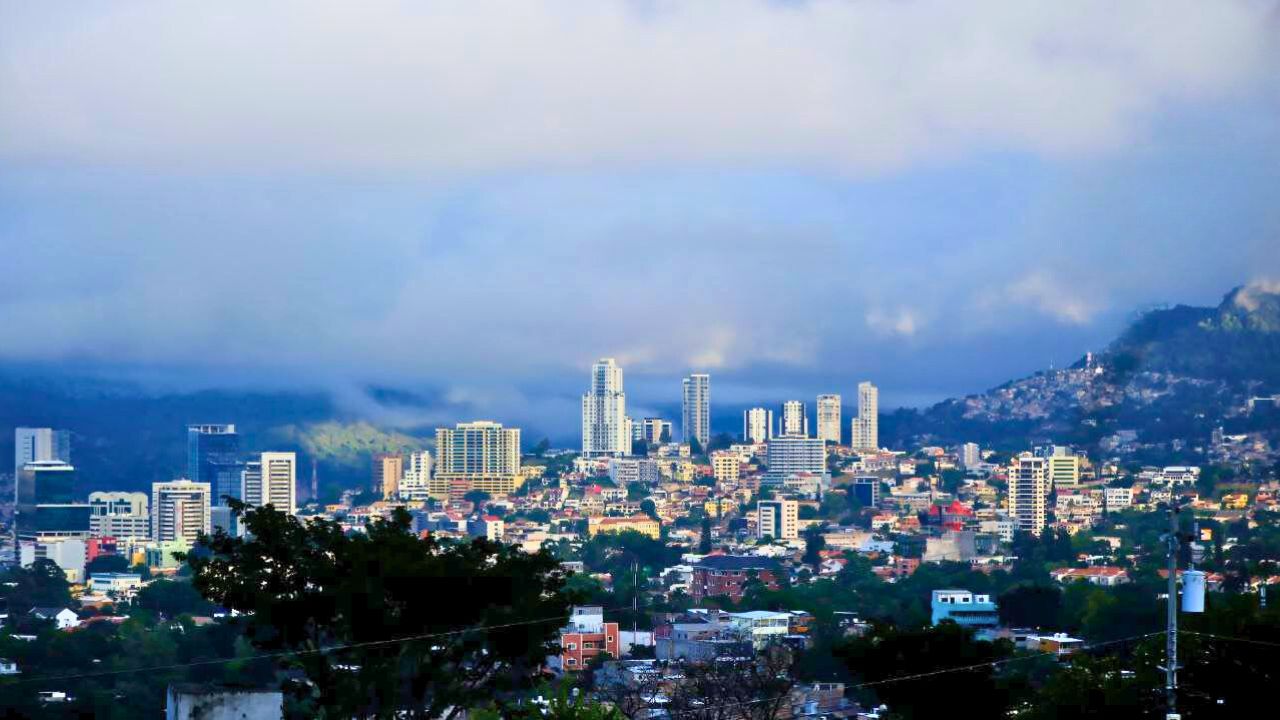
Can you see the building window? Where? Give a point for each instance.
(573, 646)
(571, 661)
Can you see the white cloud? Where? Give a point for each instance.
(901, 321)
(1053, 297)
(440, 88)
(1247, 298)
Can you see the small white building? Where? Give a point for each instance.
(762, 626)
(64, 618)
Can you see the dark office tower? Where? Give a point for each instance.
(213, 456)
(41, 483)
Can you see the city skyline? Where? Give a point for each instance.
(1028, 222)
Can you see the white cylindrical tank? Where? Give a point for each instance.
(1193, 591)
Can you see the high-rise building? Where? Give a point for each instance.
(119, 515)
(865, 428)
(778, 519)
(179, 510)
(791, 456)
(1063, 468)
(388, 471)
(696, 419)
(794, 420)
(829, 425)
(1028, 486)
(757, 425)
(656, 431)
(480, 455)
(866, 489)
(210, 444)
(970, 455)
(272, 480)
(726, 467)
(604, 412)
(40, 445)
(417, 476)
(43, 490)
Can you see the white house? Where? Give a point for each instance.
(63, 617)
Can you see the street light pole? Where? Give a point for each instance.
(1171, 629)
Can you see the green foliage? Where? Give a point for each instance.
(106, 564)
(43, 584)
(704, 543)
(383, 592)
(170, 598)
(890, 652)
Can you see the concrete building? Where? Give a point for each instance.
(1028, 486)
(965, 609)
(586, 636)
(605, 429)
(210, 702)
(789, 456)
(865, 428)
(32, 445)
(123, 515)
(179, 510)
(656, 431)
(414, 485)
(794, 420)
(388, 471)
(272, 480)
(67, 553)
(762, 627)
(696, 404)
(726, 466)
(757, 425)
(1063, 468)
(42, 489)
(970, 455)
(631, 470)
(866, 488)
(829, 418)
(727, 575)
(480, 455)
(642, 524)
(778, 519)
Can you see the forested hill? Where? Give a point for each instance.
(1173, 376)
(126, 437)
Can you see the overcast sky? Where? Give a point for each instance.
(479, 198)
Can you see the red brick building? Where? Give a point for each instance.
(726, 575)
(586, 636)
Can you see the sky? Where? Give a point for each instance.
(477, 199)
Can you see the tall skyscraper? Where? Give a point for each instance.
(388, 471)
(604, 412)
(213, 456)
(179, 509)
(795, 419)
(40, 445)
(480, 455)
(757, 425)
(970, 455)
(1028, 486)
(272, 480)
(829, 425)
(865, 428)
(778, 519)
(696, 418)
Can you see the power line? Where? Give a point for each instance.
(917, 676)
(1232, 639)
(288, 653)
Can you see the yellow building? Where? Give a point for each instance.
(726, 467)
(1238, 501)
(642, 524)
(388, 468)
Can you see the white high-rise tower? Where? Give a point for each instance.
(697, 408)
(757, 425)
(866, 427)
(605, 430)
(829, 418)
(795, 419)
(272, 480)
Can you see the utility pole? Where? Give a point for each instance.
(1171, 629)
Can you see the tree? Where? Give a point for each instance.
(1031, 606)
(888, 652)
(648, 507)
(428, 627)
(477, 497)
(704, 545)
(665, 438)
(695, 447)
(172, 597)
(43, 584)
(106, 564)
(542, 447)
(814, 544)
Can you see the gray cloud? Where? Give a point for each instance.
(439, 88)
